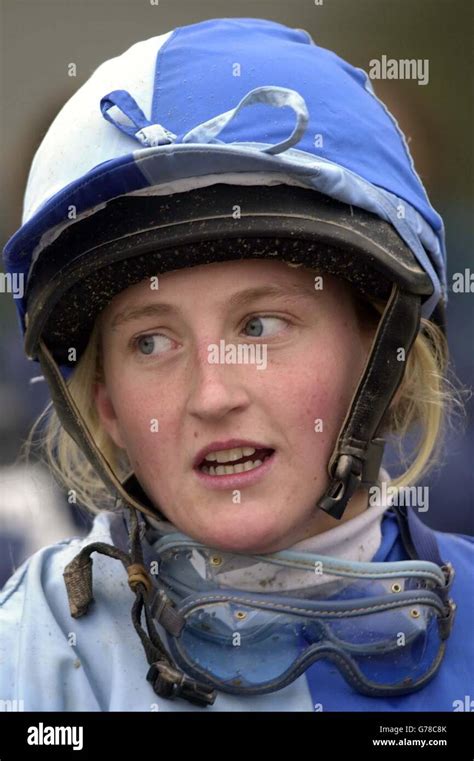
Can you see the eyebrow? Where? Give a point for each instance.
(239, 299)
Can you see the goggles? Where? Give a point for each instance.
(383, 625)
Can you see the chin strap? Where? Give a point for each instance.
(74, 424)
(357, 455)
(166, 680)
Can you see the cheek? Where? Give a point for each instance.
(144, 411)
(313, 398)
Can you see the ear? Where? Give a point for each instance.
(107, 414)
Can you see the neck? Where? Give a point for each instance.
(321, 521)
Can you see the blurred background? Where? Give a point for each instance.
(39, 38)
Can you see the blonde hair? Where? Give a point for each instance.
(426, 402)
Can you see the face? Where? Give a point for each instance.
(235, 356)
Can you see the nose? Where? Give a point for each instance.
(217, 388)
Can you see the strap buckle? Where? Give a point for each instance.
(449, 572)
(170, 683)
(345, 481)
(445, 623)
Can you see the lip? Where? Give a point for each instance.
(215, 446)
(237, 480)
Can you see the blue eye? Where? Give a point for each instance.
(157, 343)
(150, 344)
(257, 322)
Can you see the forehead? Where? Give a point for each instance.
(226, 273)
(221, 289)
(221, 282)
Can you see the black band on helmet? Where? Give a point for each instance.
(135, 237)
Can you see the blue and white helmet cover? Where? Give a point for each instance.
(237, 100)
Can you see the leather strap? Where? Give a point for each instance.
(358, 453)
(75, 426)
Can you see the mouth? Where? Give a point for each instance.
(232, 468)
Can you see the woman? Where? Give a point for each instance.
(241, 323)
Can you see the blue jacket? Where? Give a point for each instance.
(52, 662)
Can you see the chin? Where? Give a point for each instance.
(244, 537)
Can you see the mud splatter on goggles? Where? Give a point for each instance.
(383, 625)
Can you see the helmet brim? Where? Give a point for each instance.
(135, 237)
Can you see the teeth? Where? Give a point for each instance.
(228, 455)
(224, 470)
